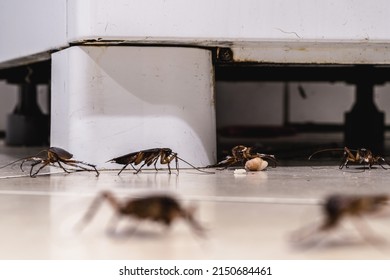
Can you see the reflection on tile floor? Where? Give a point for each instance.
(250, 216)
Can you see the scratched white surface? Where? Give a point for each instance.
(44, 26)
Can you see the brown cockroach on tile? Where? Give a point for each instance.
(360, 156)
(338, 207)
(242, 154)
(149, 157)
(160, 208)
(52, 156)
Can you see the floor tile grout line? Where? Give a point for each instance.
(259, 200)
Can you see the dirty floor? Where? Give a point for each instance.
(257, 215)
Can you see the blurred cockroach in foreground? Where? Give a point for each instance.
(360, 156)
(162, 209)
(51, 156)
(242, 154)
(149, 157)
(337, 207)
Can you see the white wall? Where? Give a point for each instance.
(324, 102)
(249, 103)
(382, 99)
(261, 103)
(255, 103)
(31, 28)
(208, 21)
(9, 97)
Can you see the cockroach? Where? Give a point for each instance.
(149, 157)
(160, 208)
(51, 156)
(240, 155)
(337, 207)
(360, 156)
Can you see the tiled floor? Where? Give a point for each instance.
(250, 216)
